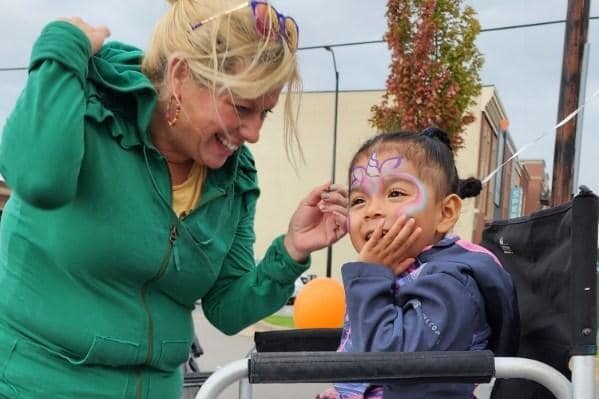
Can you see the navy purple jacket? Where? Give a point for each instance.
(457, 297)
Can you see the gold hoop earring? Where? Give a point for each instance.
(173, 121)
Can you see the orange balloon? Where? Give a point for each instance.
(320, 304)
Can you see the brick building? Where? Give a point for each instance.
(537, 191)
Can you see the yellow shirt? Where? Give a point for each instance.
(186, 195)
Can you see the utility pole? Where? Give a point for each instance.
(577, 26)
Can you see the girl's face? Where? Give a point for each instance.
(384, 186)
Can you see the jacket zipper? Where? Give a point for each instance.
(138, 383)
(144, 290)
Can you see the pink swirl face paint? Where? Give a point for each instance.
(370, 179)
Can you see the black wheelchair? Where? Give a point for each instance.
(551, 256)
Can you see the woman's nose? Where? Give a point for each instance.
(250, 129)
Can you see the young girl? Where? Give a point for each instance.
(414, 286)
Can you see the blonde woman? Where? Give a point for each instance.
(134, 196)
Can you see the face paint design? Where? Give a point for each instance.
(370, 179)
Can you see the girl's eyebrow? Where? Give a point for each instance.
(403, 177)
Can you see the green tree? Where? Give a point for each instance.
(434, 71)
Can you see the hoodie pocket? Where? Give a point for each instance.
(6, 351)
(34, 371)
(173, 353)
(107, 351)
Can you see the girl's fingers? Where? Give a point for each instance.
(375, 238)
(412, 239)
(399, 224)
(396, 228)
(400, 239)
(377, 234)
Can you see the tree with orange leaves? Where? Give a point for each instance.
(434, 71)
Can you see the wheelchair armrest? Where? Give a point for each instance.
(375, 367)
(381, 367)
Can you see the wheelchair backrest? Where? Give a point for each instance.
(551, 256)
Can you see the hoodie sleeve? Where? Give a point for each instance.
(254, 291)
(437, 311)
(43, 139)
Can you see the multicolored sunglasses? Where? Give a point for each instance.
(268, 21)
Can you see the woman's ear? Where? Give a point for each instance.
(177, 73)
(451, 206)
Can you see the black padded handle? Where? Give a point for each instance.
(288, 367)
(298, 340)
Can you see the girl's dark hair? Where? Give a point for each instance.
(435, 150)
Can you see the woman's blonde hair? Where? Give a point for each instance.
(227, 54)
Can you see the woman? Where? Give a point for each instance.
(134, 196)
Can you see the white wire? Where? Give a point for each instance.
(561, 123)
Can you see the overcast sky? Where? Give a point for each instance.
(523, 64)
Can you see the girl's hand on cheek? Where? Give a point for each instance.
(392, 249)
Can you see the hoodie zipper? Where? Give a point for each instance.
(162, 270)
(144, 291)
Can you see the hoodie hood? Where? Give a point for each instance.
(118, 86)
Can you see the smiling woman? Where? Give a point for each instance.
(134, 196)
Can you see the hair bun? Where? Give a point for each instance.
(469, 187)
(172, 2)
(436, 133)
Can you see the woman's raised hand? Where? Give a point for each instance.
(319, 221)
(96, 34)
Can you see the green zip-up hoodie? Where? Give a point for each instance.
(98, 276)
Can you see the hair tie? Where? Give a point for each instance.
(438, 134)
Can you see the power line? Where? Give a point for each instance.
(531, 25)
(499, 28)
(320, 46)
(13, 69)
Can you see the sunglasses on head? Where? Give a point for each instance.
(269, 23)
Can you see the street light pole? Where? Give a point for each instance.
(334, 163)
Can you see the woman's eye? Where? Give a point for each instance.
(242, 110)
